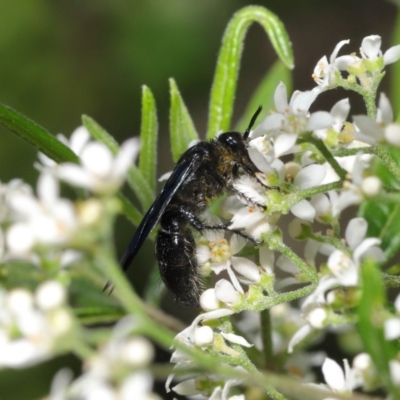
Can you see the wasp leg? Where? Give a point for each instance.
(201, 226)
(248, 200)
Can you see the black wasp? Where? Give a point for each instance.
(204, 172)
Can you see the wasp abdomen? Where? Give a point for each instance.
(175, 251)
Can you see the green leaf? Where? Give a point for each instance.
(135, 178)
(154, 291)
(226, 74)
(35, 135)
(181, 127)
(264, 94)
(140, 187)
(371, 315)
(383, 217)
(383, 223)
(100, 134)
(129, 210)
(148, 139)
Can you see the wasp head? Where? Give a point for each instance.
(235, 158)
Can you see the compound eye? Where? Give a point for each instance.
(233, 141)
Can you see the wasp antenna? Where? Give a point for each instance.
(252, 121)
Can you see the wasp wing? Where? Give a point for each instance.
(182, 170)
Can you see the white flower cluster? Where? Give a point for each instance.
(118, 371)
(34, 326)
(100, 171)
(29, 222)
(40, 235)
(290, 147)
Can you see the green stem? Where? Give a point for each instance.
(296, 197)
(132, 303)
(377, 150)
(266, 336)
(271, 301)
(328, 156)
(352, 152)
(334, 241)
(275, 242)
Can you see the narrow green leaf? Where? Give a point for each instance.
(148, 139)
(100, 134)
(35, 135)
(140, 187)
(371, 314)
(226, 74)
(181, 127)
(129, 210)
(264, 94)
(135, 179)
(154, 291)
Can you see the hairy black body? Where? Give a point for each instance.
(204, 172)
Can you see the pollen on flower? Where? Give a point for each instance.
(343, 263)
(90, 212)
(220, 251)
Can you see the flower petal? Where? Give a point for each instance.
(303, 210)
(280, 98)
(284, 143)
(301, 334)
(391, 55)
(355, 232)
(310, 176)
(385, 109)
(371, 47)
(337, 48)
(231, 337)
(319, 120)
(246, 268)
(334, 375)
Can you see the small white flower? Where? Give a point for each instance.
(29, 333)
(324, 71)
(15, 187)
(382, 130)
(392, 325)
(291, 119)
(208, 300)
(47, 219)
(136, 351)
(79, 137)
(140, 383)
(231, 337)
(365, 373)
(394, 367)
(226, 293)
(317, 317)
(100, 171)
(203, 335)
(346, 268)
(371, 50)
(50, 295)
(218, 255)
(337, 380)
